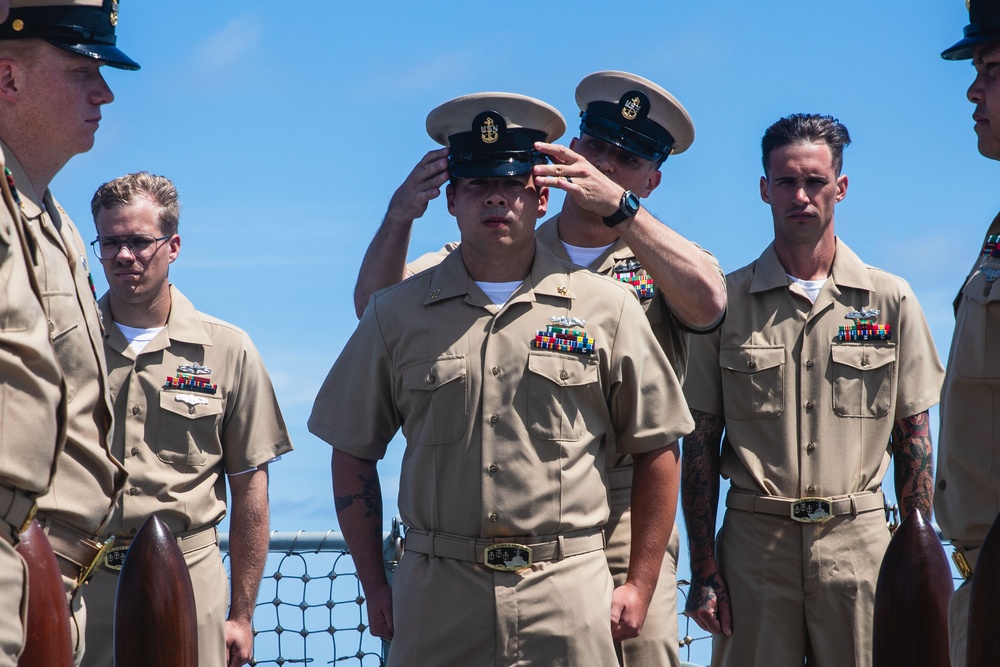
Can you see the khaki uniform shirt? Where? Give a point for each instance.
(807, 415)
(177, 443)
(967, 495)
(88, 479)
(502, 439)
(32, 396)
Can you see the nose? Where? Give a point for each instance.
(495, 197)
(801, 195)
(129, 258)
(102, 91)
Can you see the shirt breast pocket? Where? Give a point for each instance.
(753, 381)
(561, 391)
(437, 389)
(862, 379)
(188, 429)
(978, 329)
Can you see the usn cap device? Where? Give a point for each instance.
(494, 134)
(86, 27)
(634, 114)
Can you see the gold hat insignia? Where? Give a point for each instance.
(489, 131)
(630, 110)
(114, 13)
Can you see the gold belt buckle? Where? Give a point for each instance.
(812, 510)
(507, 557)
(88, 571)
(31, 515)
(961, 564)
(114, 557)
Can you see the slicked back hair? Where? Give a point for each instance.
(803, 128)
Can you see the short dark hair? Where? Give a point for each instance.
(800, 128)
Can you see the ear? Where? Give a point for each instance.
(841, 186)
(173, 247)
(764, 194)
(652, 181)
(10, 76)
(572, 143)
(543, 202)
(449, 193)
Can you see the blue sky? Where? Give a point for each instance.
(287, 127)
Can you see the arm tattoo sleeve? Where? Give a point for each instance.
(700, 483)
(913, 461)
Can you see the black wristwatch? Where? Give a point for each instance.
(627, 208)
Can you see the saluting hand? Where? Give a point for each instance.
(409, 202)
(708, 604)
(577, 177)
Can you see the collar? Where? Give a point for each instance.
(183, 325)
(847, 271)
(548, 276)
(548, 235)
(31, 204)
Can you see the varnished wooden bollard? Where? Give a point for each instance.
(155, 621)
(49, 640)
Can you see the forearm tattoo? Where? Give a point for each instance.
(913, 460)
(700, 483)
(371, 495)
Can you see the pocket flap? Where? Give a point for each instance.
(566, 370)
(751, 358)
(863, 357)
(429, 374)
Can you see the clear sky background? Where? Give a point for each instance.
(287, 127)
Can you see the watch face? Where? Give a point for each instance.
(631, 202)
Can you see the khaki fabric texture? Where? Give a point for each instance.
(967, 492)
(88, 479)
(783, 382)
(658, 643)
(32, 401)
(178, 452)
(807, 415)
(211, 599)
(13, 604)
(958, 624)
(502, 439)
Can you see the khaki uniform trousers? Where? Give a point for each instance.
(958, 624)
(798, 588)
(13, 603)
(211, 592)
(450, 613)
(657, 645)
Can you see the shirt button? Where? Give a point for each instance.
(563, 375)
(942, 485)
(135, 451)
(752, 364)
(494, 518)
(132, 491)
(810, 447)
(496, 370)
(494, 467)
(494, 419)
(135, 409)
(810, 489)
(809, 405)
(431, 379)
(809, 363)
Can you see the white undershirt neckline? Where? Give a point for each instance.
(810, 287)
(499, 292)
(584, 256)
(138, 338)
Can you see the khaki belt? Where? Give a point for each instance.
(965, 561)
(805, 510)
(620, 478)
(78, 553)
(16, 508)
(510, 554)
(114, 558)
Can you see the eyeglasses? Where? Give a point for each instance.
(140, 245)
